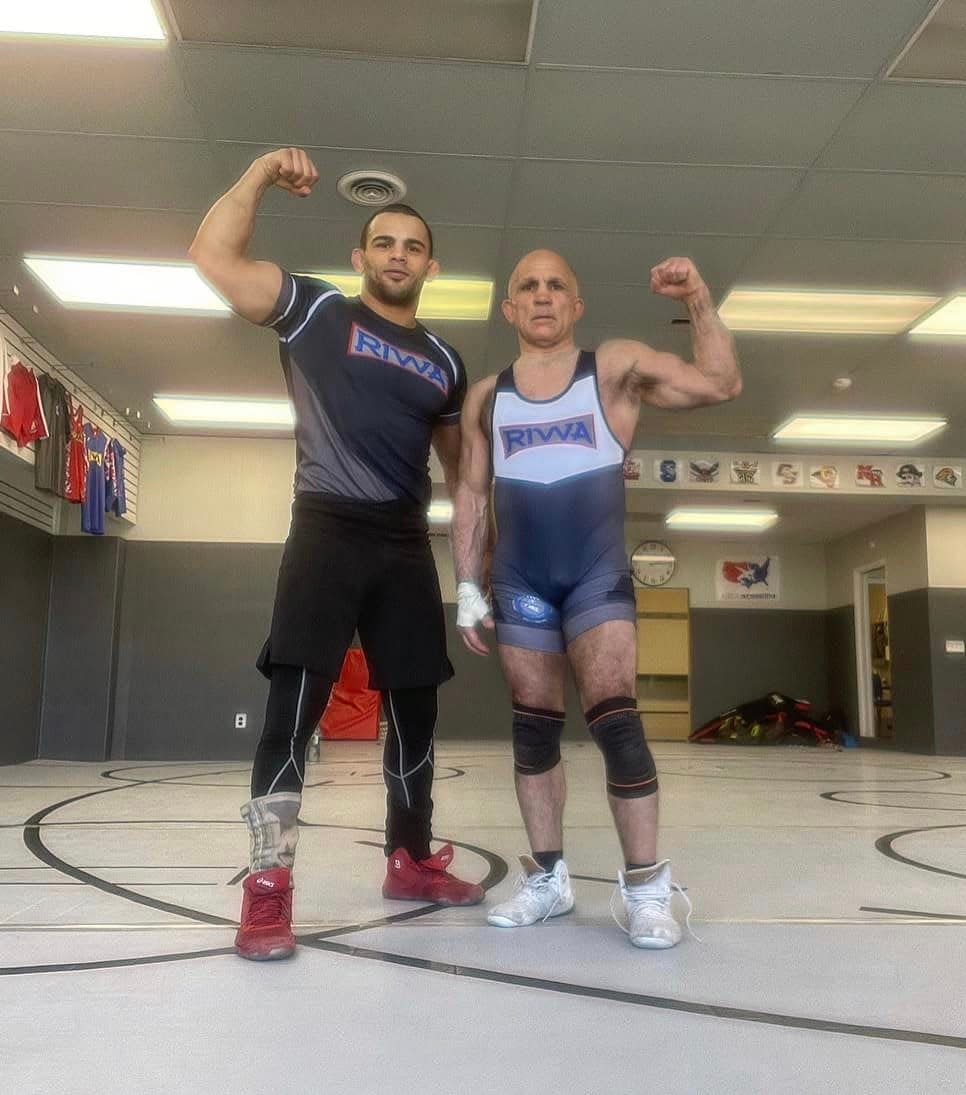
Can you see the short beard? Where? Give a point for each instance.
(391, 295)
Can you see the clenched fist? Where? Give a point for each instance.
(676, 278)
(291, 169)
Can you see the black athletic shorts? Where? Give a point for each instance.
(359, 566)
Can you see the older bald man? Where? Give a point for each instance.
(552, 431)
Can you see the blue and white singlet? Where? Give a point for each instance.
(560, 565)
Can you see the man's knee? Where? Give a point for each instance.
(615, 726)
(536, 739)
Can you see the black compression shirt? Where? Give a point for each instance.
(367, 394)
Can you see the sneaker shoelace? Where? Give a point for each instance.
(268, 908)
(535, 884)
(656, 903)
(440, 861)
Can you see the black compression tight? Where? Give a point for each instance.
(297, 700)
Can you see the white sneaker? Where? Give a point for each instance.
(647, 905)
(539, 895)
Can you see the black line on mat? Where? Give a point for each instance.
(885, 845)
(665, 1003)
(115, 963)
(914, 912)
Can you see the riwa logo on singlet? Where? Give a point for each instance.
(568, 431)
(363, 343)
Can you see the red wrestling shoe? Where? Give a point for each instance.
(428, 880)
(265, 932)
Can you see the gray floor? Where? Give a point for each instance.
(828, 889)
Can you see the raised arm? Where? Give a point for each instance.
(664, 379)
(470, 531)
(219, 250)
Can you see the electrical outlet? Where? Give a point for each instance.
(241, 720)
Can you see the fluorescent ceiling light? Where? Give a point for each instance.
(177, 287)
(857, 430)
(212, 411)
(720, 517)
(125, 286)
(822, 312)
(440, 511)
(444, 298)
(950, 319)
(90, 19)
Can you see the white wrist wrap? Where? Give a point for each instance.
(471, 605)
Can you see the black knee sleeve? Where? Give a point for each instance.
(536, 739)
(615, 726)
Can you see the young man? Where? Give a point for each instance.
(552, 430)
(372, 389)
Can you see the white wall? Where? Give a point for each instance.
(215, 489)
(229, 490)
(239, 490)
(946, 547)
(803, 578)
(899, 542)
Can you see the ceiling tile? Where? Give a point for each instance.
(824, 37)
(676, 118)
(71, 169)
(893, 265)
(94, 88)
(473, 29)
(905, 128)
(340, 102)
(649, 198)
(877, 206)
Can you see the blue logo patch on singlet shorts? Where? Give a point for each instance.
(529, 607)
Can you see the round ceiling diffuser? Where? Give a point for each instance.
(371, 187)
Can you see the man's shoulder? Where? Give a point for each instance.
(482, 389)
(447, 349)
(621, 353)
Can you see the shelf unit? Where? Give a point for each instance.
(664, 662)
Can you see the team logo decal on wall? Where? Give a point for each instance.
(666, 470)
(703, 471)
(910, 475)
(754, 578)
(824, 476)
(632, 468)
(868, 475)
(745, 472)
(786, 474)
(947, 476)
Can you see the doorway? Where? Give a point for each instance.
(873, 655)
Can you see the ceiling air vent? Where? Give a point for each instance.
(371, 188)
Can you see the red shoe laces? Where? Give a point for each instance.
(440, 861)
(269, 908)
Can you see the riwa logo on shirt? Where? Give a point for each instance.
(363, 343)
(568, 431)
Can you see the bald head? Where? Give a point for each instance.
(543, 302)
(542, 264)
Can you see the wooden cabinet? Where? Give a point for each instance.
(664, 662)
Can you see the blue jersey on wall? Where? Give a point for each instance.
(92, 508)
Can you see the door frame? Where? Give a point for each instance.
(863, 646)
